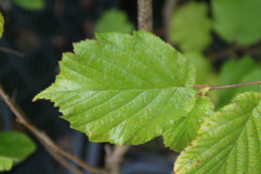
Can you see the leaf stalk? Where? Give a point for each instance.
(211, 87)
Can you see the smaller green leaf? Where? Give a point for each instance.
(33, 5)
(190, 27)
(184, 130)
(5, 163)
(237, 20)
(16, 146)
(114, 20)
(1, 25)
(229, 141)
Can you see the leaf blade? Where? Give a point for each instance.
(1, 25)
(16, 146)
(224, 140)
(181, 134)
(33, 5)
(123, 89)
(5, 163)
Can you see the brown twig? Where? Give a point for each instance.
(23, 119)
(60, 159)
(145, 15)
(223, 53)
(211, 87)
(114, 157)
(231, 51)
(10, 51)
(251, 51)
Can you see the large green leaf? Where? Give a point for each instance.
(190, 27)
(184, 131)
(1, 25)
(16, 146)
(5, 163)
(233, 72)
(114, 20)
(30, 4)
(228, 142)
(238, 20)
(123, 89)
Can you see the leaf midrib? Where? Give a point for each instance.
(108, 90)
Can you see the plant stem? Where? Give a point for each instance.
(145, 15)
(224, 53)
(23, 119)
(10, 51)
(114, 157)
(211, 87)
(64, 162)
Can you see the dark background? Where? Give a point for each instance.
(42, 37)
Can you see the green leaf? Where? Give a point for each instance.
(1, 25)
(123, 89)
(5, 163)
(238, 21)
(233, 72)
(16, 146)
(33, 5)
(228, 142)
(114, 20)
(190, 27)
(202, 66)
(184, 130)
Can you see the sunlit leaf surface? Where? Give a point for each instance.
(184, 131)
(123, 89)
(5, 163)
(228, 142)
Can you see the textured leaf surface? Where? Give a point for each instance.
(1, 25)
(16, 146)
(238, 21)
(228, 142)
(184, 131)
(114, 20)
(190, 27)
(233, 72)
(5, 163)
(123, 89)
(30, 4)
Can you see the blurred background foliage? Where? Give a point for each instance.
(199, 28)
(221, 37)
